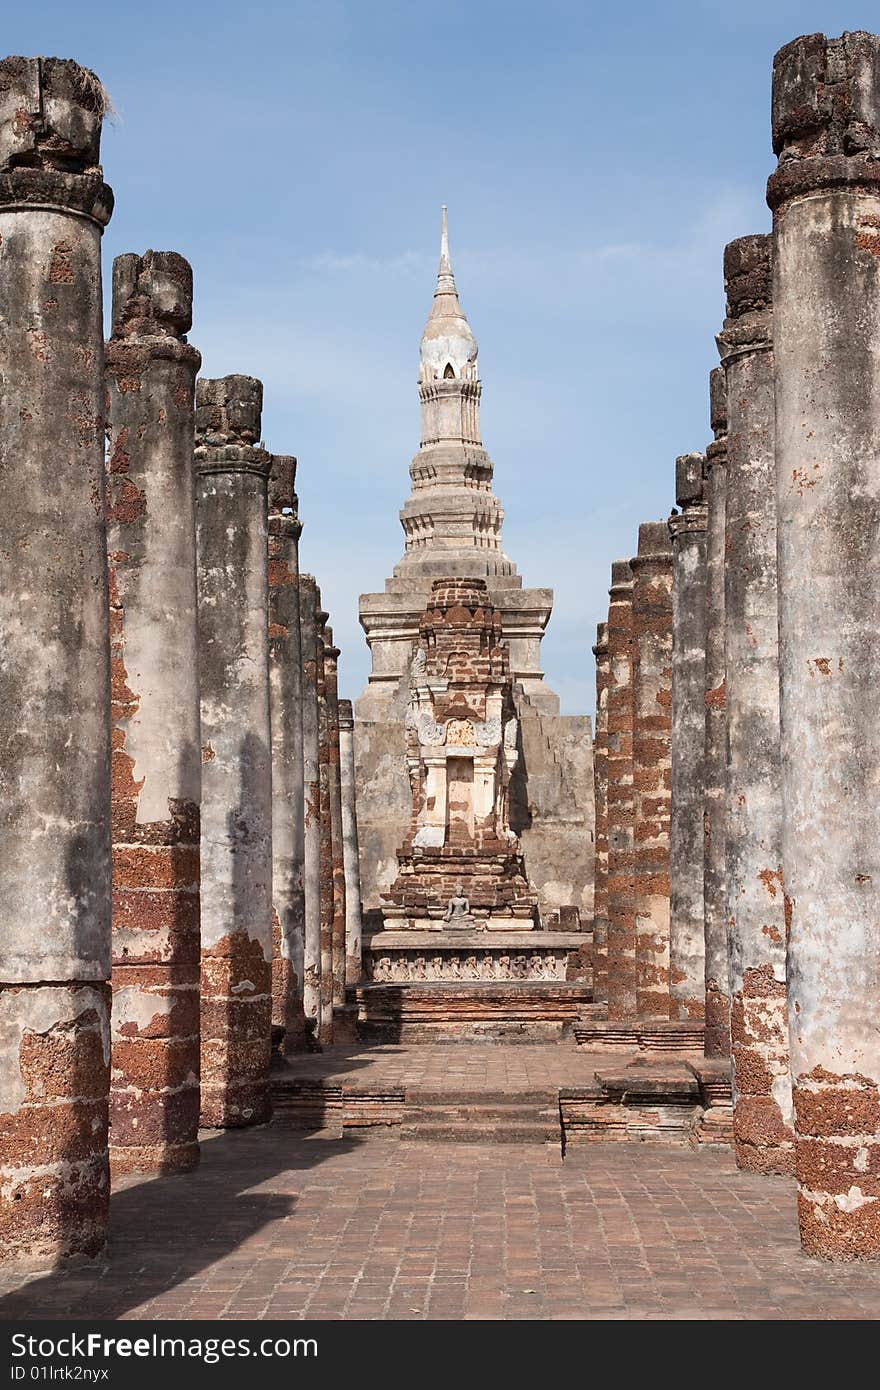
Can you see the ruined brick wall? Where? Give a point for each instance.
(351, 864)
(331, 680)
(687, 951)
(600, 783)
(150, 373)
(621, 798)
(312, 861)
(715, 748)
(652, 733)
(285, 706)
(327, 913)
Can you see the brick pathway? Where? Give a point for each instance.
(275, 1224)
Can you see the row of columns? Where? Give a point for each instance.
(178, 825)
(774, 931)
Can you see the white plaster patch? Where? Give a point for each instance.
(852, 1200)
(131, 1004)
(781, 1092)
(430, 837)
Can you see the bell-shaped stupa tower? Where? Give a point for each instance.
(452, 523)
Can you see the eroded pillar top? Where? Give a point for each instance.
(283, 501)
(51, 111)
(621, 576)
(826, 114)
(228, 421)
(748, 284)
(152, 295)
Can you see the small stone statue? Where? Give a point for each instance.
(458, 909)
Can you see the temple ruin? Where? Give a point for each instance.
(222, 884)
(452, 527)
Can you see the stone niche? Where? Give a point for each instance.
(462, 906)
(460, 867)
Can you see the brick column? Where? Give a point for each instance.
(714, 768)
(600, 792)
(652, 731)
(232, 538)
(621, 883)
(331, 682)
(350, 852)
(151, 546)
(755, 900)
(308, 608)
(285, 707)
(325, 640)
(825, 198)
(54, 668)
(687, 948)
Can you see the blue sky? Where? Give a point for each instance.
(595, 159)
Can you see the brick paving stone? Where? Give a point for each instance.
(278, 1225)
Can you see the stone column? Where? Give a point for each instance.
(308, 608)
(687, 950)
(755, 900)
(325, 640)
(331, 682)
(621, 883)
(825, 198)
(285, 706)
(54, 668)
(350, 850)
(232, 538)
(652, 733)
(151, 547)
(600, 784)
(717, 1042)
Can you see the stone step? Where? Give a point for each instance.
(417, 1095)
(481, 1114)
(462, 1132)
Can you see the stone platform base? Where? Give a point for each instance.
(655, 1101)
(651, 1036)
(466, 1011)
(392, 957)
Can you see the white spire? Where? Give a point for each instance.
(445, 277)
(448, 345)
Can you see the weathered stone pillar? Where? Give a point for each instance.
(717, 1042)
(652, 733)
(331, 682)
(825, 198)
(351, 857)
(621, 883)
(54, 666)
(600, 784)
(755, 900)
(687, 950)
(285, 706)
(232, 538)
(308, 608)
(151, 546)
(325, 640)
